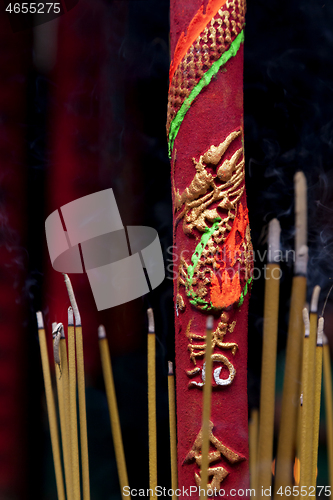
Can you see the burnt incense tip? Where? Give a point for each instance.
(70, 316)
(325, 339)
(274, 230)
(101, 332)
(300, 177)
(40, 321)
(58, 329)
(210, 323)
(306, 322)
(72, 300)
(320, 331)
(151, 322)
(170, 368)
(315, 299)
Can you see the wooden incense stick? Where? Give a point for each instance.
(328, 406)
(291, 389)
(51, 410)
(270, 334)
(311, 367)
(65, 390)
(173, 429)
(81, 392)
(113, 409)
(317, 397)
(58, 334)
(72, 406)
(206, 408)
(152, 404)
(253, 446)
(305, 408)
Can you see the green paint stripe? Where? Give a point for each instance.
(244, 292)
(200, 247)
(205, 80)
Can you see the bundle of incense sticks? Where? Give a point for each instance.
(307, 355)
(69, 371)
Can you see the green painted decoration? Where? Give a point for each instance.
(205, 80)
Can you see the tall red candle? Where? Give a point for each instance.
(212, 245)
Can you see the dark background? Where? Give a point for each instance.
(288, 110)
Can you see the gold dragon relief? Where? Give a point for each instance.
(219, 273)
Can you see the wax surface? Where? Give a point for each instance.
(212, 242)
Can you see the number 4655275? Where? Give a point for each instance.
(33, 8)
(304, 491)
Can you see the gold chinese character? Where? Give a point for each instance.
(219, 473)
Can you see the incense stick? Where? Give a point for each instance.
(311, 367)
(50, 408)
(270, 334)
(173, 429)
(287, 432)
(72, 406)
(152, 404)
(113, 409)
(253, 446)
(81, 392)
(206, 408)
(82, 412)
(328, 406)
(65, 389)
(317, 396)
(58, 334)
(305, 409)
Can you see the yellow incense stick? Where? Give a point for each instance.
(59, 338)
(82, 411)
(81, 392)
(291, 388)
(72, 406)
(317, 396)
(152, 404)
(113, 409)
(173, 429)
(50, 408)
(290, 397)
(206, 408)
(305, 409)
(253, 446)
(268, 369)
(65, 390)
(328, 406)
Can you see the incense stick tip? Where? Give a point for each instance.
(315, 299)
(301, 260)
(70, 316)
(306, 322)
(300, 177)
(274, 230)
(101, 332)
(151, 322)
(58, 328)
(73, 300)
(170, 368)
(320, 331)
(40, 321)
(325, 339)
(210, 322)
